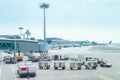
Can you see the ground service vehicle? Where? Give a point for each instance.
(44, 65)
(105, 64)
(60, 57)
(19, 58)
(75, 65)
(35, 57)
(59, 65)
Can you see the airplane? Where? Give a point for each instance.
(104, 43)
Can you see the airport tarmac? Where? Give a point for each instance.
(9, 71)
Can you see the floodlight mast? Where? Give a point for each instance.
(20, 28)
(44, 6)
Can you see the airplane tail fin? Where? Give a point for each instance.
(110, 42)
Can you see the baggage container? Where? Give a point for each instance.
(22, 70)
(26, 69)
(31, 70)
(91, 64)
(44, 65)
(7, 59)
(35, 57)
(75, 65)
(59, 65)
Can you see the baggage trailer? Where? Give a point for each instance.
(44, 62)
(44, 65)
(94, 58)
(75, 65)
(9, 59)
(91, 64)
(26, 69)
(31, 69)
(59, 65)
(22, 71)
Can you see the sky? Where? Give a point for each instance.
(93, 20)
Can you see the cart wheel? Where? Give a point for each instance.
(47, 68)
(79, 68)
(71, 68)
(63, 68)
(55, 68)
(95, 68)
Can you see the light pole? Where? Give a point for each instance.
(20, 28)
(27, 33)
(15, 49)
(44, 6)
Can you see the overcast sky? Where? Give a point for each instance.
(97, 20)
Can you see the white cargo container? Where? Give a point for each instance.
(75, 65)
(7, 59)
(44, 65)
(35, 57)
(59, 65)
(31, 70)
(91, 64)
(26, 69)
(22, 70)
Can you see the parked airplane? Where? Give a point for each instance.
(104, 43)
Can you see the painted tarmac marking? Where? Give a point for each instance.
(12, 68)
(1, 67)
(105, 78)
(97, 71)
(0, 70)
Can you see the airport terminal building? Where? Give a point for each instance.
(8, 43)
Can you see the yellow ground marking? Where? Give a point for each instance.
(118, 72)
(105, 78)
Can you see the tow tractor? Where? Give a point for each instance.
(105, 63)
(26, 69)
(59, 65)
(91, 64)
(75, 65)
